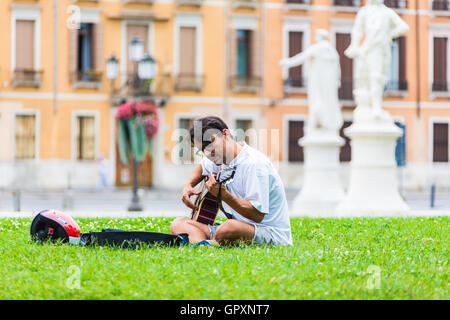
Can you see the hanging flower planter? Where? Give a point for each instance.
(138, 124)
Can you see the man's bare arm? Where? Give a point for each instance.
(188, 189)
(243, 207)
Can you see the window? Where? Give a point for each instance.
(86, 54)
(345, 154)
(440, 51)
(397, 72)
(25, 137)
(442, 5)
(440, 142)
(188, 53)
(342, 43)
(295, 132)
(85, 138)
(396, 4)
(186, 152)
(347, 3)
(243, 53)
(26, 47)
(241, 129)
(187, 78)
(245, 60)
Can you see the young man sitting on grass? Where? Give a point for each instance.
(255, 196)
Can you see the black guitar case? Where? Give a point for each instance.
(132, 239)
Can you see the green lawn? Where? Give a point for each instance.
(367, 258)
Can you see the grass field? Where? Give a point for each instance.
(367, 258)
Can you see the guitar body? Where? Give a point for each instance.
(208, 207)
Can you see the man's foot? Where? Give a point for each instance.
(211, 243)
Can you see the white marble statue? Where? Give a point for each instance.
(379, 25)
(324, 80)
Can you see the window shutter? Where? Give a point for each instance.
(346, 90)
(98, 46)
(295, 151)
(402, 63)
(25, 137)
(255, 57)
(233, 53)
(187, 51)
(73, 53)
(85, 140)
(440, 64)
(295, 47)
(24, 44)
(440, 142)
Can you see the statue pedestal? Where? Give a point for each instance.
(322, 189)
(373, 188)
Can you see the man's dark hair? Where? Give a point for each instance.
(209, 123)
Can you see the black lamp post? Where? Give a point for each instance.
(145, 68)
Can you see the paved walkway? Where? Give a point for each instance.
(156, 203)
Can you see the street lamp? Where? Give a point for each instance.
(112, 68)
(136, 49)
(145, 69)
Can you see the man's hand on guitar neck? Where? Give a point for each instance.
(189, 190)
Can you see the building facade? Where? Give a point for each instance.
(215, 57)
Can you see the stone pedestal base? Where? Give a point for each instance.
(373, 187)
(322, 189)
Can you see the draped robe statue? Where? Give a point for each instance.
(379, 25)
(324, 80)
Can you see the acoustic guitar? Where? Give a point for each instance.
(208, 205)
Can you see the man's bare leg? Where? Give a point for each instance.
(233, 231)
(197, 231)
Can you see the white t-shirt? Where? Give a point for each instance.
(257, 181)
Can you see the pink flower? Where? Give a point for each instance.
(147, 112)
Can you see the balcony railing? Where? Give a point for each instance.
(346, 89)
(245, 84)
(396, 86)
(27, 78)
(158, 89)
(440, 5)
(298, 1)
(253, 4)
(347, 3)
(197, 3)
(193, 82)
(439, 86)
(294, 85)
(138, 1)
(86, 79)
(396, 4)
